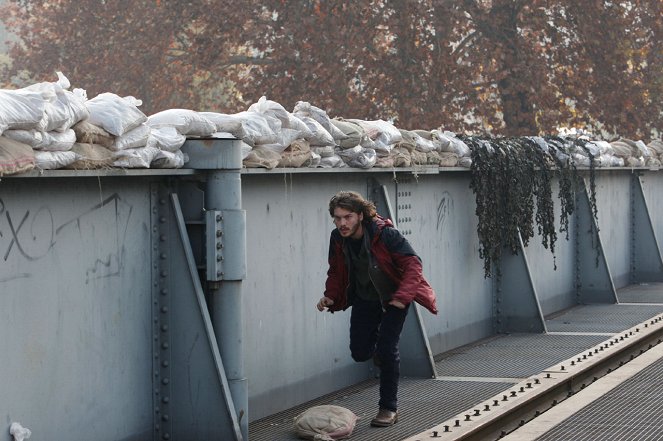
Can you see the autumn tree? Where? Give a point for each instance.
(513, 67)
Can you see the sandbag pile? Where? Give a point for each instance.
(308, 137)
(47, 126)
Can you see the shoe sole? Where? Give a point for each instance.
(384, 424)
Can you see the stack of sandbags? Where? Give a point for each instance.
(41, 116)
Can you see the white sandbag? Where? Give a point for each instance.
(423, 144)
(115, 114)
(166, 159)
(465, 161)
(64, 108)
(284, 139)
(402, 156)
(334, 161)
(324, 151)
(635, 161)
(315, 160)
(319, 135)
(46, 160)
(580, 160)
(325, 423)
(187, 122)
(226, 123)
(271, 108)
(21, 109)
(358, 157)
(246, 149)
(38, 140)
(132, 139)
(135, 158)
(165, 138)
(18, 432)
(259, 128)
(604, 147)
(380, 130)
(443, 139)
(303, 108)
(456, 145)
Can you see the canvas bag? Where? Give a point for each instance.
(325, 423)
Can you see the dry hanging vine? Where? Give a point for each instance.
(510, 176)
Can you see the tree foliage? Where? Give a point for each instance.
(505, 67)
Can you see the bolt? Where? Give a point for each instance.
(477, 412)
(537, 381)
(219, 233)
(457, 423)
(513, 393)
(522, 389)
(486, 408)
(529, 385)
(496, 403)
(219, 246)
(505, 398)
(467, 418)
(219, 218)
(446, 429)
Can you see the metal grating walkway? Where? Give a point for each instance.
(631, 411)
(469, 375)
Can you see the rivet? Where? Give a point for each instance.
(165, 381)
(166, 436)
(164, 328)
(162, 201)
(164, 273)
(162, 220)
(162, 238)
(162, 256)
(164, 309)
(164, 345)
(165, 417)
(164, 291)
(165, 363)
(165, 400)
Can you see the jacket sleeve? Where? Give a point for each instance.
(413, 285)
(333, 285)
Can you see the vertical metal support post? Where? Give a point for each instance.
(226, 256)
(646, 261)
(593, 278)
(416, 355)
(517, 304)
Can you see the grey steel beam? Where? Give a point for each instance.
(192, 395)
(517, 307)
(226, 256)
(416, 355)
(594, 282)
(646, 262)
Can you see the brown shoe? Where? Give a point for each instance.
(385, 418)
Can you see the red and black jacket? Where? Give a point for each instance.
(394, 267)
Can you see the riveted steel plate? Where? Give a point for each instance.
(642, 293)
(422, 403)
(631, 411)
(602, 318)
(513, 356)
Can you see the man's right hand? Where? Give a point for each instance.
(324, 303)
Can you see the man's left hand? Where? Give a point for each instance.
(397, 304)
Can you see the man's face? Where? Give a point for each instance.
(348, 223)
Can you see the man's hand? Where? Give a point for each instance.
(397, 304)
(324, 303)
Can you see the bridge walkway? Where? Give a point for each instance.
(517, 375)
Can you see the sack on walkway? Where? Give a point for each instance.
(325, 423)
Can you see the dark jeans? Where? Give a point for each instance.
(377, 332)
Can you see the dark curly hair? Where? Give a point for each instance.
(353, 201)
